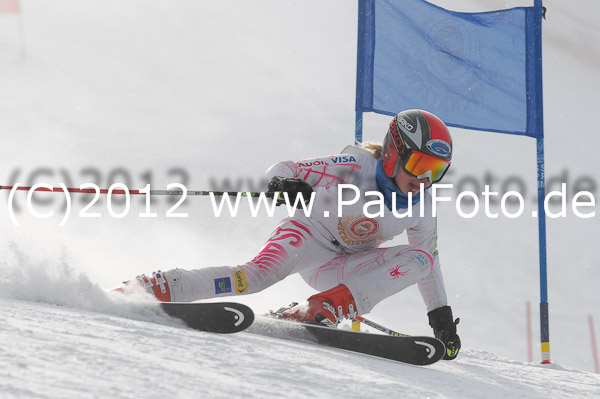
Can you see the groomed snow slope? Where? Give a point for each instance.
(64, 337)
(65, 352)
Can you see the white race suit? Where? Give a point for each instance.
(328, 248)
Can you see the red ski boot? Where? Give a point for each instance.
(328, 307)
(156, 285)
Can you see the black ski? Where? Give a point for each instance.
(415, 350)
(217, 317)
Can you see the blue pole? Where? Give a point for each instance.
(541, 184)
(360, 69)
(544, 317)
(358, 136)
(364, 64)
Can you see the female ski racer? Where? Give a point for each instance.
(339, 254)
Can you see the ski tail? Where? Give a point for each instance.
(217, 317)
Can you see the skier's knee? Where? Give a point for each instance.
(423, 260)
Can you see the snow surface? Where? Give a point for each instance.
(104, 90)
(90, 344)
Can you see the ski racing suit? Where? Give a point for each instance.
(328, 248)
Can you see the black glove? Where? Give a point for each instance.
(444, 328)
(292, 186)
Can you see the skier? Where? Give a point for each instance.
(339, 254)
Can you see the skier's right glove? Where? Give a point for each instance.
(444, 328)
(292, 186)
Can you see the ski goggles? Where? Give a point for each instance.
(423, 165)
(414, 162)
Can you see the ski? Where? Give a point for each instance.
(217, 317)
(416, 350)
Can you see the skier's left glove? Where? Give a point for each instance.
(292, 186)
(444, 328)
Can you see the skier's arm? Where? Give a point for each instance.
(432, 288)
(325, 172)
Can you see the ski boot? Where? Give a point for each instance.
(329, 307)
(156, 285)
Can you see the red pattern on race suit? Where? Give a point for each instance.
(345, 266)
(274, 254)
(323, 178)
(395, 272)
(324, 172)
